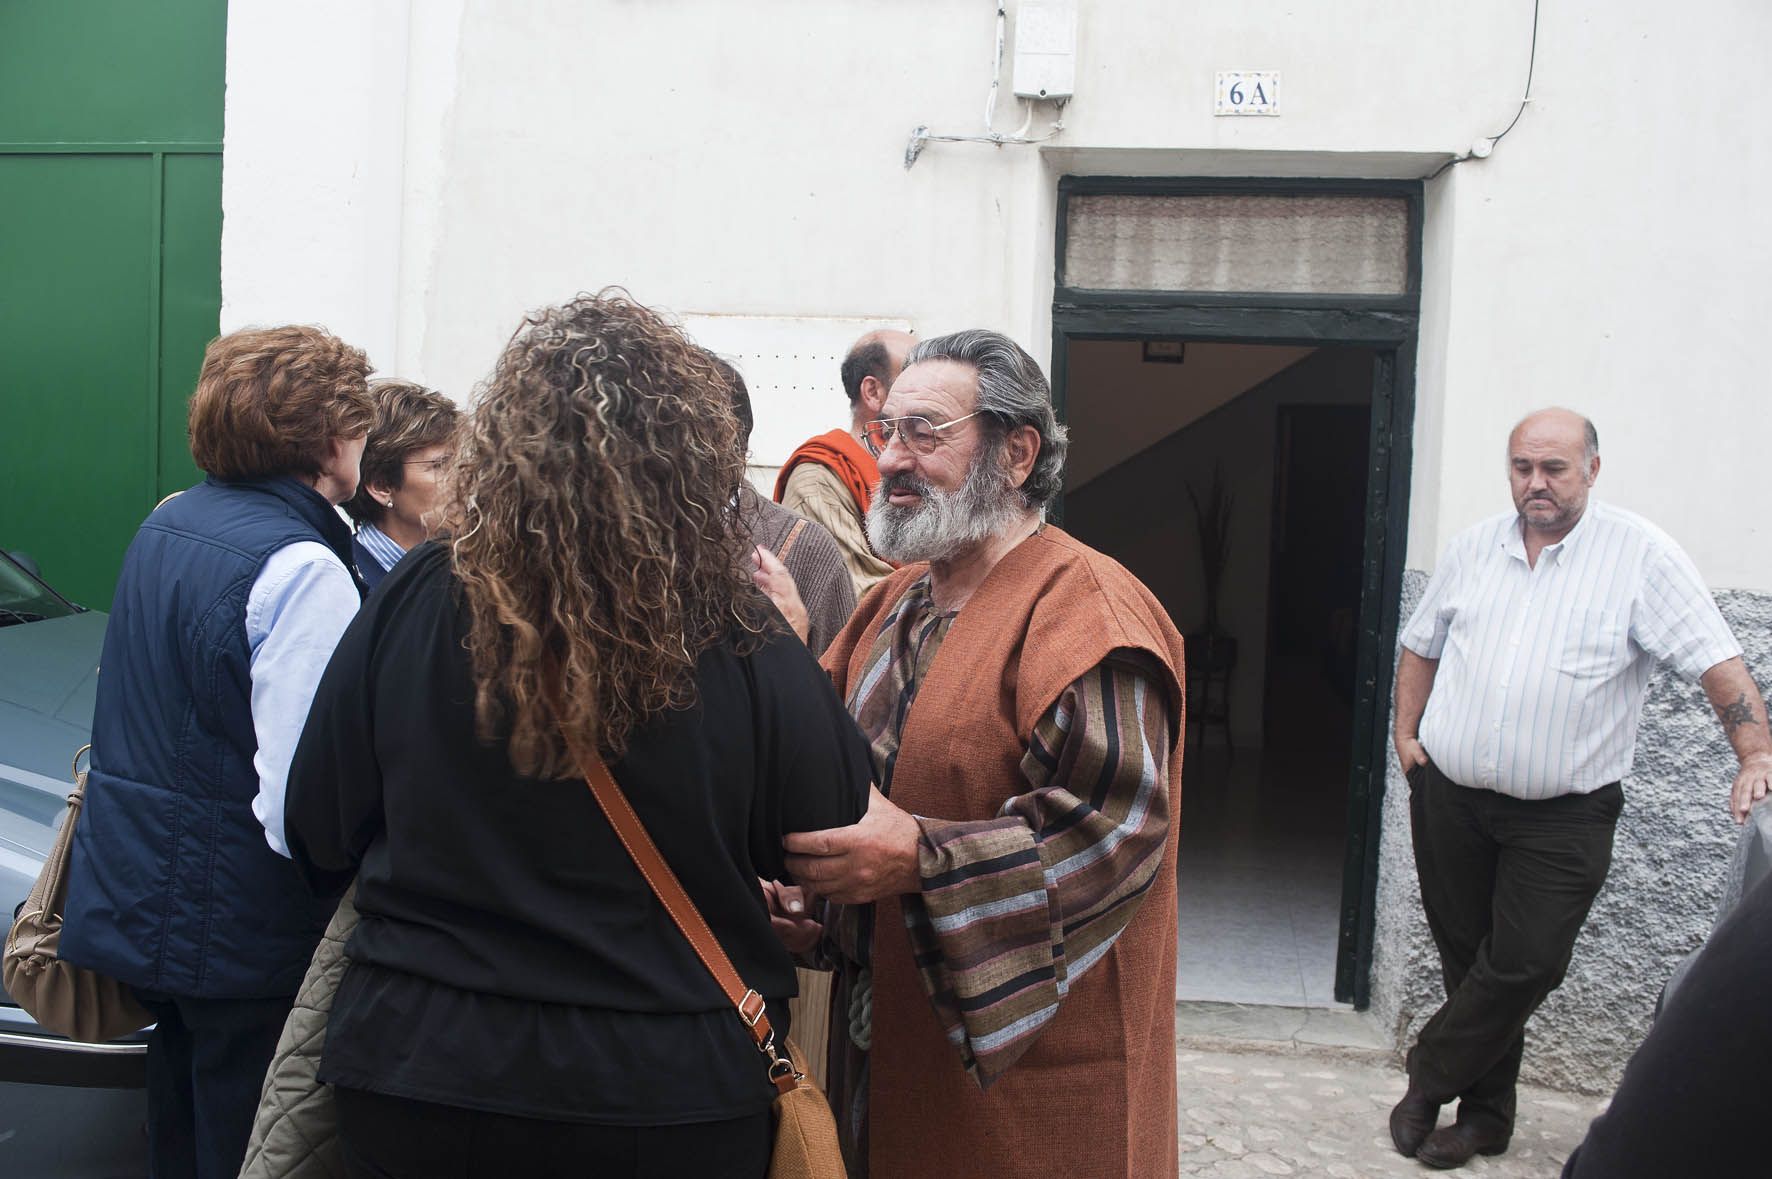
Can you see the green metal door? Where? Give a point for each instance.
(110, 268)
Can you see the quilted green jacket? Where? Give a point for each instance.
(295, 1135)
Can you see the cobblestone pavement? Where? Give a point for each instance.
(1255, 1113)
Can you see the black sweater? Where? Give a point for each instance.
(510, 957)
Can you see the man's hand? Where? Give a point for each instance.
(790, 915)
(1410, 752)
(875, 858)
(773, 578)
(1739, 706)
(1752, 784)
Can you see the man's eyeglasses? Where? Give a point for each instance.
(436, 465)
(919, 435)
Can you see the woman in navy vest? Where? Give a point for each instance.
(410, 444)
(232, 596)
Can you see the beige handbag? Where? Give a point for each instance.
(67, 1000)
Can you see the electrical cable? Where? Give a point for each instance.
(1531, 67)
(922, 135)
(990, 99)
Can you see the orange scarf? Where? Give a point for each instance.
(839, 451)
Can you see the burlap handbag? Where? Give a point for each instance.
(67, 1000)
(806, 1144)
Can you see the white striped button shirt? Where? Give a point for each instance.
(1542, 670)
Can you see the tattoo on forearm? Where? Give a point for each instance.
(1737, 714)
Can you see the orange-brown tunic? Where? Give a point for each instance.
(1094, 1096)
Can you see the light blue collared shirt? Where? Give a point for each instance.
(381, 546)
(296, 612)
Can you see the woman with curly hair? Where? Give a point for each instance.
(231, 598)
(411, 443)
(517, 1001)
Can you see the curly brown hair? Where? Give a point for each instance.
(408, 418)
(592, 529)
(270, 401)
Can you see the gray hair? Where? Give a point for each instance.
(1013, 392)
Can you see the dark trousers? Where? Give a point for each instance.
(390, 1137)
(1506, 883)
(206, 1067)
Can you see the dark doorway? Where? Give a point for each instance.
(1314, 604)
(1271, 441)
(1194, 261)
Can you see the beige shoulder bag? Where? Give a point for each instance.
(67, 1000)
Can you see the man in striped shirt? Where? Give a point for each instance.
(1007, 927)
(1519, 691)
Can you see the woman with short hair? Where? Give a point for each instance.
(410, 444)
(231, 597)
(517, 1001)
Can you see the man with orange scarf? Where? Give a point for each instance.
(830, 479)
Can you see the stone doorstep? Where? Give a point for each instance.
(1339, 1032)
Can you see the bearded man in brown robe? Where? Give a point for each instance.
(1005, 928)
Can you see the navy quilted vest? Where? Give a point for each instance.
(171, 884)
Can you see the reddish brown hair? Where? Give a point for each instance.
(270, 401)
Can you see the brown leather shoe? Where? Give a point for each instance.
(1452, 1146)
(1412, 1121)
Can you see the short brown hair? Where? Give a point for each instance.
(408, 418)
(270, 401)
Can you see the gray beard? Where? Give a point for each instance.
(946, 524)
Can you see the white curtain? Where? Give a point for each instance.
(1321, 244)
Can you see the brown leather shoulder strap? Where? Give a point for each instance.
(781, 554)
(631, 831)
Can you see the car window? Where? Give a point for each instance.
(25, 599)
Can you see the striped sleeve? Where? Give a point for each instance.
(1013, 910)
(1426, 631)
(1677, 620)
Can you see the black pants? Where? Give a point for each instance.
(206, 1066)
(1506, 883)
(390, 1137)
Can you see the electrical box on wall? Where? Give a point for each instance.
(1045, 48)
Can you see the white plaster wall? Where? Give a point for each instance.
(1608, 256)
(313, 155)
(416, 175)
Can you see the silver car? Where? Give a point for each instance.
(66, 1109)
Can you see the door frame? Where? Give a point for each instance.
(1390, 326)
